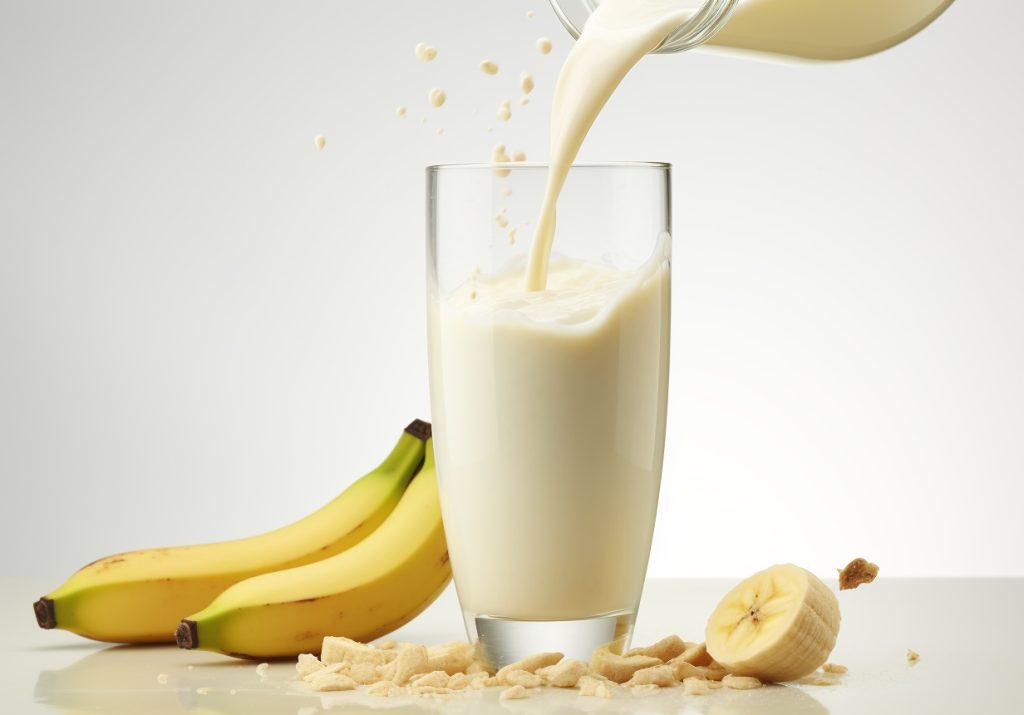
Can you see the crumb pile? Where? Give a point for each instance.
(393, 669)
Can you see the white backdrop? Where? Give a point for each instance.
(209, 328)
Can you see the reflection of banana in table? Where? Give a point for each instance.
(141, 596)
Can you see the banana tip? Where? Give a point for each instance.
(419, 429)
(45, 615)
(187, 634)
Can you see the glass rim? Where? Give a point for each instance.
(661, 165)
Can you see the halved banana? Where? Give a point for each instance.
(779, 624)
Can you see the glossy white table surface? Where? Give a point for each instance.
(969, 633)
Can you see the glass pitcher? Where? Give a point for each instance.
(806, 29)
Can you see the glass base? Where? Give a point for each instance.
(506, 640)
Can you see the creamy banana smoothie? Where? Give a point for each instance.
(553, 412)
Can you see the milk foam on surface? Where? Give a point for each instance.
(549, 412)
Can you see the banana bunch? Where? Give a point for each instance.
(141, 596)
(371, 589)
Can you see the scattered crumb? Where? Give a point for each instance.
(433, 679)
(834, 668)
(437, 97)
(516, 692)
(544, 45)
(507, 191)
(383, 689)
(522, 677)
(529, 13)
(594, 687)
(162, 678)
(526, 82)
(531, 664)
(913, 656)
(400, 111)
(319, 141)
(818, 679)
(489, 67)
(568, 671)
(324, 682)
(644, 690)
(472, 295)
(695, 686)
(425, 52)
(660, 675)
(512, 237)
(519, 156)
(666, 649)
(386, 645)
(308, 664)
(262, 668)
(524, 100)
(695, 654)
(741, 682)
(191, 667)
(202, 691)
(440, 131)
(857, 572)
(618, 668)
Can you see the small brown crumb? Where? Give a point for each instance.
(834, 668)
(857, 572)
(913, 656)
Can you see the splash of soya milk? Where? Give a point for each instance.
(614, 39)
(620, 32)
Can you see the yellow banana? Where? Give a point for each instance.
(369, 590)
(140, 596)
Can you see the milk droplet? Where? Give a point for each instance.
(425, 52)
(437, 97)
(504, 110)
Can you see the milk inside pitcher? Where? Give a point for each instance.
(804, 29)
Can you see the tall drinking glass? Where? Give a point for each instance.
(549, 406)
